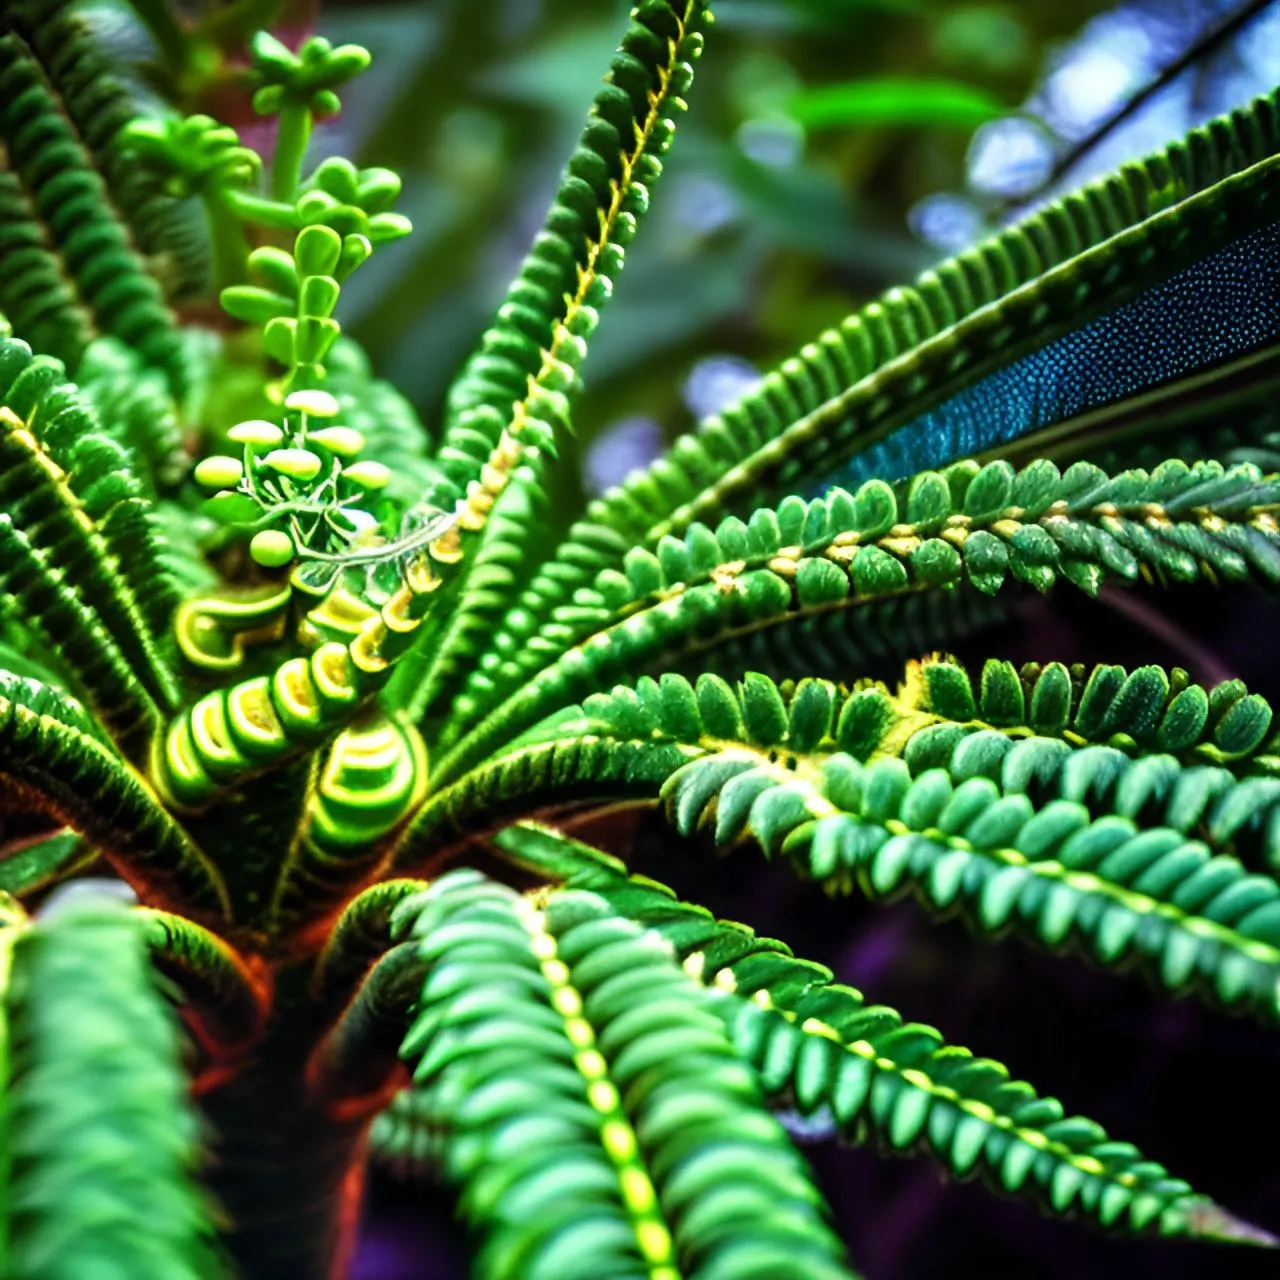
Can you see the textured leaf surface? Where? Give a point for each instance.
(592, 1111)
(859, 1069)
(977, 525)
(903, 353)
(104, 1142)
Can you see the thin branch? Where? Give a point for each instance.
(1206, 45)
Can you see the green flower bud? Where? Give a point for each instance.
(300, 464)
(219, 472)
(368, 474)
(315, 404)
(345, 442)
(268, 100)
(272, 548)
(257, 433)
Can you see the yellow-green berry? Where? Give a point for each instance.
(368, 474)
(271, 547)
(219, 472)
(315, 404)
(257, 433)
(299, 464)
(345, 442)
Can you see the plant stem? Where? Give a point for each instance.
(230, 245)
(293, 132)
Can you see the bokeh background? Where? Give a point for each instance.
(835, 148)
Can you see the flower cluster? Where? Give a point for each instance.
(303, 487)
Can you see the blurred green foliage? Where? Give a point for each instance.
(818, 125)
(770, 225)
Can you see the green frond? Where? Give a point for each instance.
(439, 660)
(100, 469)
(72, 263)
(48, 605)
(38, 497)
(1147, 709)
(136, 409)
(363, 786)
(568, 765)
(361, 934)
(900, 355)
(981, 525)
(527, 362)
(406, 1137)
(1062, 847)
(31, 867)
(822, 1050)
(514, 395)
(103, 1143)
(50, 761)
(357, 1057)
(220, 998)
(594, 1116)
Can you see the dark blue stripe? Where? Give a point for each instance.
(1222, 307)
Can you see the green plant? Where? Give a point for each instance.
(272, 691)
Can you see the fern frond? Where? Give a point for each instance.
(363, 786)
(103, 1141)
(361, 934)
(982, 525)
(819, 1047)
(100, 474)
(221, 999)
(50, 762)
(1053, 845)
(100, 105)
(528, 359)
(514, 394)
(79, 272)
(569, 766)
(30, 868)
(901, 355)
(136, 409)
(37, 495)
(51, 608)
(593, 1114)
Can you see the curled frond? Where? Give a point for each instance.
(49, 761)
(364, 784)
(222, 999)
(593, 1114)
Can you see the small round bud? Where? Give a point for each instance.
(257, 433)
(272, 548)
(345, 442)
(298, 464)
(219, 472)
(315, 404)
(368, 474)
